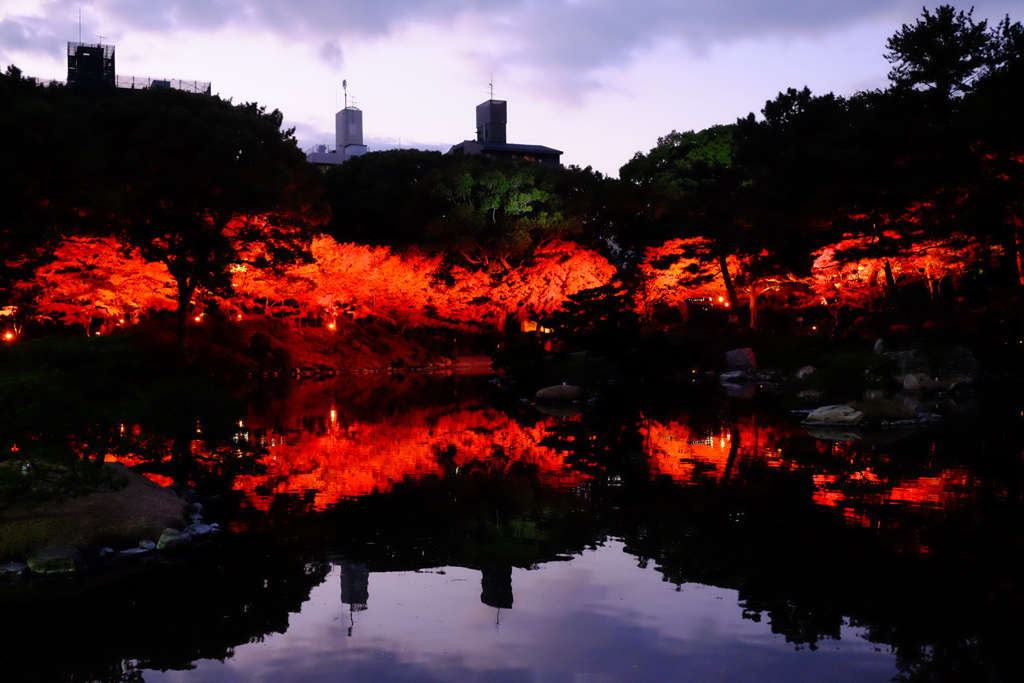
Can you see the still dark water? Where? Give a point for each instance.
(427, 529)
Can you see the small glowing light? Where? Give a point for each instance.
(121, 321)
(727, 304)
(9, 336)
(198, 318)
(239, 316)
(330, 326)
(814, 327)
(240, 424)
(334, 415)
(721, 299)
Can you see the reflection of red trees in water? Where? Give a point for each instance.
(338, 460)
(341, 461)
(848, 480)
(692, 453)
(320, 457)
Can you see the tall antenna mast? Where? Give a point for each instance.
(491, 85)
(344, 85)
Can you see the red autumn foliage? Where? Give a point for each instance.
(98, 277)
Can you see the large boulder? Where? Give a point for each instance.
(960, 367)
(562, 393)
(741, 359)
(834, 416)
(913, 361)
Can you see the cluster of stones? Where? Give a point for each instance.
(67, 559)
(916, 374)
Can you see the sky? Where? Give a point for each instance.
(598, 79)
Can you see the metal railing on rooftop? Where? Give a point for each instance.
(145, 83)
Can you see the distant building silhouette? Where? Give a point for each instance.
(91, 67)
(491, 142)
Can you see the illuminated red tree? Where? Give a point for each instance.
(554, 271)
(98, 277)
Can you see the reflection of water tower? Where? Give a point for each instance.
(355, 589)
(496, 586)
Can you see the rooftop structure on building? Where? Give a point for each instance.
(91, 66)
(348, 140)
(491, 142)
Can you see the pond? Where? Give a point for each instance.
(432, 528)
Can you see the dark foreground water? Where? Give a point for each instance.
(425, 530)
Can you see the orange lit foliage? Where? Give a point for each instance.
(343, 279)
(681, 269)
(98, 277)
(555, 271)
(469, 301)
(345, 460)
(361, 281)
(857, 282)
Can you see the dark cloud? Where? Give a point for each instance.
(35, 35)
(331, 54)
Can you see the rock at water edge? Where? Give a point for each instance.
(838, 415)
(171, 539)
(56, 559)
(562, 392)
(741, 359)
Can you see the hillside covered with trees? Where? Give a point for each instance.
(897, 209)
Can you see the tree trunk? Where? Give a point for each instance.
(185, 292)
(1018, 247)
(752, 295)
(730, 288)
(890, 284)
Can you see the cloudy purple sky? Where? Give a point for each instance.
(598, 79)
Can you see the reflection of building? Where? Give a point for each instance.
(496, 586)
(355, 585)
(355, 588)
(491, 117)
(348, 138)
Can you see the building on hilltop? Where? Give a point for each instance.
(491, 142)
(91, 66)
(348, 139)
